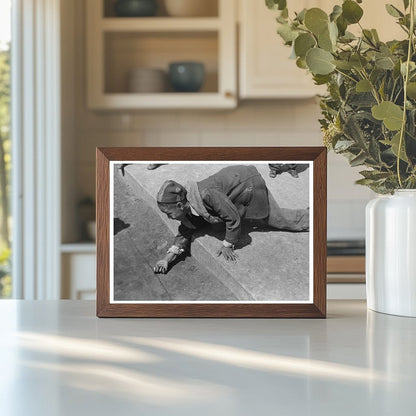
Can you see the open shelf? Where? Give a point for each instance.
(127, 51)
(116, 46)
(80, 247)
(168, 100)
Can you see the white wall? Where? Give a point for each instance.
(253, 123)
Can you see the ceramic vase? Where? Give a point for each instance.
(186, 76)
(391, 253)
(135, 8)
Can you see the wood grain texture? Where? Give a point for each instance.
(103, 231)
(319, 230)
(317, 309)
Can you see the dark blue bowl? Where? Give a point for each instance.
(186, 76)
(135, 8)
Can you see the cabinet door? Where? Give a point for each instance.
(265, 68)
(78, 276)
(266, 71)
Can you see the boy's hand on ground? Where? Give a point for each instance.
(161, 267)
(228, 253)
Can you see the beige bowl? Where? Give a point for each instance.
(191, 8)
(147, 80)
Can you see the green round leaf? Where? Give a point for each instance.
(325, 42)
(383, 62)
(336, 12)
(322, 79)
(375, 35)
(327, 39)
(347, 37)
(393, 11)
(411, 90)
(303, 43)
(319, 61)
(301, 63)
(316, 20)
(394, 143)
(358, 61)
(351, 11)
(391, 114)
(363, 86)
(403, 66)
(333, 32)
(287, 33)
(342, 25)
(344, 65)
(301, 15)
(276, 4)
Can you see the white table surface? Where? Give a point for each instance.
(57, 358)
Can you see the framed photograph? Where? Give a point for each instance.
(211, 232)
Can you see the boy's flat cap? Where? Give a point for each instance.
(171, 192)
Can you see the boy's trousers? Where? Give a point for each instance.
(286, 218)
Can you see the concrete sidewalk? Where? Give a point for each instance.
(141, 238)
(272, 266)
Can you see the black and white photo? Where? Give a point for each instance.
(212, 232)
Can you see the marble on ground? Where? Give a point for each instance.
(273, 265)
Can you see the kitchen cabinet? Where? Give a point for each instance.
(78, 263)
(118, 45)
(265, 70)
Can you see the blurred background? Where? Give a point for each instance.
(145, 73)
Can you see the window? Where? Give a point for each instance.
(5, 147)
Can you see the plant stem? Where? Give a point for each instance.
(405, 81)
(373, 88)
(346, 75)
(392, 91)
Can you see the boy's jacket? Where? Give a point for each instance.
(233, 193)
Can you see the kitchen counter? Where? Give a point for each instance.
(57, 358)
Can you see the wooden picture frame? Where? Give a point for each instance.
(122, 290)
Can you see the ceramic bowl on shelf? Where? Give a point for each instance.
(191, 8)
(135, 8)
(186, 76)
(147, 80)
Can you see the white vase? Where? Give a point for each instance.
(391, 253)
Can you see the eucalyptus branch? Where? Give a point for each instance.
(409, 134)
(406, 79)
(358, 45)
(392, 91)
(369, 41)
(404, 28)
(398, 95)
(362, 59)
(346, 75)
(373, 88)
(342, 49)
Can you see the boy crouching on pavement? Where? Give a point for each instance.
(229, 196)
